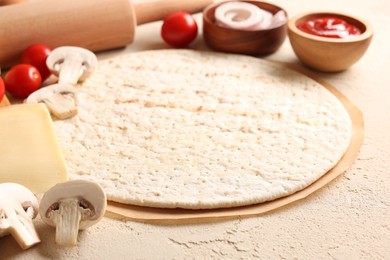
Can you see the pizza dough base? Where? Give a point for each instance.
(198, 130)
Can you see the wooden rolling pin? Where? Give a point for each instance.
(93, 24)
(11, 2)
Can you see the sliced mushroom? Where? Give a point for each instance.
(71, 206)
(71, 64)
(60, 99)
(18, 206)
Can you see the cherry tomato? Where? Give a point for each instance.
(36, 55)
(22, 80)
(179, 29)
(2, 89)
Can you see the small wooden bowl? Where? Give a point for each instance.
(328, 54)
(257, 43)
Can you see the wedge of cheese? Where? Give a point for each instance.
(29, 151)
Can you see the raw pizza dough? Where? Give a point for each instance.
(197, 130)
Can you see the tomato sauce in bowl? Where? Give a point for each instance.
(328, 26)
(328, 41)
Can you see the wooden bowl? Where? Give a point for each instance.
(328, 54)
(259, 42)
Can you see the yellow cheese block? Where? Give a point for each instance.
(29, 151)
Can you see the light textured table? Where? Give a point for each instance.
(348, 219)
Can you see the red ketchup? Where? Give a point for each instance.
(331, 27)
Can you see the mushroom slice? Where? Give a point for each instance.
(71, 206)
(71, 64)
(60, 99)
(18, 206)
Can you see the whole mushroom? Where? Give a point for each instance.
(71, 206)
(18, 206)
(71, 64)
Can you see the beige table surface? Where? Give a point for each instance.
(348, 219)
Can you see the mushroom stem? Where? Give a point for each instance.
(19, 224)
(67, 219)
(71, 71)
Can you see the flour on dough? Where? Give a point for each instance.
(188, 129)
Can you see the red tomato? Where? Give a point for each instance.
(179, 29)
(2, 89)
(36, 55)
(22, 80)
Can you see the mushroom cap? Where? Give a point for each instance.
(83, 56)
(84, 191)
(21, 195)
